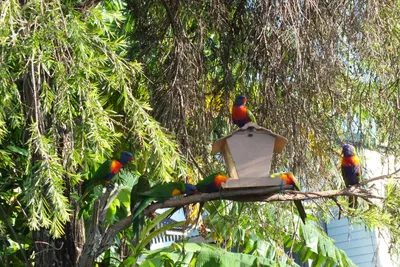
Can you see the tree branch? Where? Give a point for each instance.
(258, 194)
(264, 194)
(92, 247)
(382, 177)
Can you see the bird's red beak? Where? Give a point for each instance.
(132, 158)
(196, 192)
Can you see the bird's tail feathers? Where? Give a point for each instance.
(145, 202)
(301, 210)
(353, 203)
(137, 225)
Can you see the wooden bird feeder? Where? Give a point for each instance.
(248, 154)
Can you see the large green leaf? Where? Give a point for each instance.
(160, 230)
(204, 255)
(315, 245)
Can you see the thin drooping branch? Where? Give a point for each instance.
(382, 177)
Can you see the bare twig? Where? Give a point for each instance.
(339, 206)
(382, 177)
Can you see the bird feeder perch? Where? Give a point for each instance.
(248, 154)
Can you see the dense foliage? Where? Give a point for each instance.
(82, 81)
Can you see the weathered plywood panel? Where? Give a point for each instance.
(230, 165)
(255, 182)
(252, 155)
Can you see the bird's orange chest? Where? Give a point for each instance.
(115, 166)
(351, 161)
(219, 179)
(239, 112)
(287, 180)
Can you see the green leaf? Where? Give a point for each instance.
(160, 230)
(150, 263)
(207, 255)
(18, 150)
(124, 197)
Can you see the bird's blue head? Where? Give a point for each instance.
(240, 100)
(190, 189)
(125, 157)
(348, 150)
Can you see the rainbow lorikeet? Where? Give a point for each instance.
(351, 169)
(289, 179)
(240, 114)
(107, 170)
(142, 185)
(161, 192)
(212, 183)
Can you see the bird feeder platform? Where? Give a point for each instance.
(248, 153)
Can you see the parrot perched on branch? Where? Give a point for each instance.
(289, 179)
(351, 170)
(161, 192)
(107, 170)
(240, 114)
(212, 183)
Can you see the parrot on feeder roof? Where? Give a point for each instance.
(241, 115)
(289, 179)
(351, 169)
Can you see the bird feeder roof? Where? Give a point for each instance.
(280, 141)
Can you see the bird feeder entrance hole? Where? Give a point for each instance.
(248, 153)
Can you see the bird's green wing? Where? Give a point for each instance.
(166, 190)
(142, 185)
(298, 203)
(96, 179)
(101, 173)
(159, 192)
(251, 116)
(142, 205)
(275, 175)
(296, 183)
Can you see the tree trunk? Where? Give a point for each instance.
(51, 252)
(47, 250)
